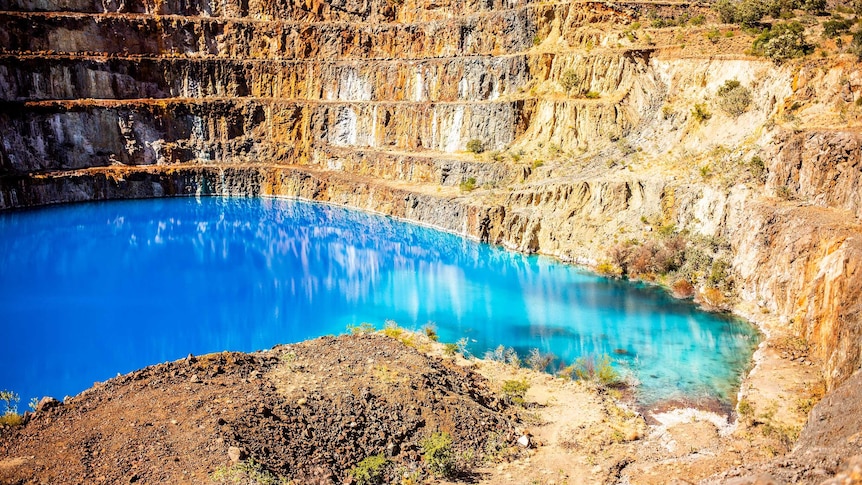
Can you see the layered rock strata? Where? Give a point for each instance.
(589, 121)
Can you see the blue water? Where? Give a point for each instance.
(88, 291)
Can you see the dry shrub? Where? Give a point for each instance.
(682, 288)
(712, 297)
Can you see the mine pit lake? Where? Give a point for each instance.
(91, 290)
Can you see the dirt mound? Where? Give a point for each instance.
(307, 412)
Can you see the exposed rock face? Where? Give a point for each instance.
(372, 104)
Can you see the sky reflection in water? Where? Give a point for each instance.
(91, 290)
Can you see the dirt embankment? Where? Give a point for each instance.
(308, 412)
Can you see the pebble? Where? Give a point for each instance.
(194, 379)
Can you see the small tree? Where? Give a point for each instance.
(815, 7)
(782, 42)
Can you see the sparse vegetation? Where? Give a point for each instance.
(504, 355)
(450, 349)
(597, 370)
(538, 361)
(430, 331)
(592, 95)
(515, 390)
(745, 410)
(475, 146)
(362, 328)
(700, 113)
(757, 169)
(468, 185)
(438, 454)
(733, 97)
(371, 470)
(784, 192)
(246, 472)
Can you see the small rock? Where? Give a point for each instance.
(301, 401)
(194, 379)
(235, 454)
(524, 441)
(174, 421)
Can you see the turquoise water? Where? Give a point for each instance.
(91, 290)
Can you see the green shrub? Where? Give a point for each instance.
(537, 163)
(515, 390)
(856, 45)
(392, 330)
(592, 95)
(836, 26)
(248, 471)
(718, 273)
(815, 7)
(362, 328)
(745, 410)
(713, 35)
(450, 349)
(746, 12)
(780, 8)
(782, 41)
(757, 168)
(667, 230)
(475, 146)
(598, 370)
(700, 113)
(370, 471)
(784, 192)
(431, 332)
(468, 185)
(438, 454)
(569, 79)
(733, 97)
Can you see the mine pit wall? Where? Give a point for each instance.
(797, 261)
(331, 102)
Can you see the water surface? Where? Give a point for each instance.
(91, 290)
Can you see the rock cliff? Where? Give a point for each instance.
(596, 129)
